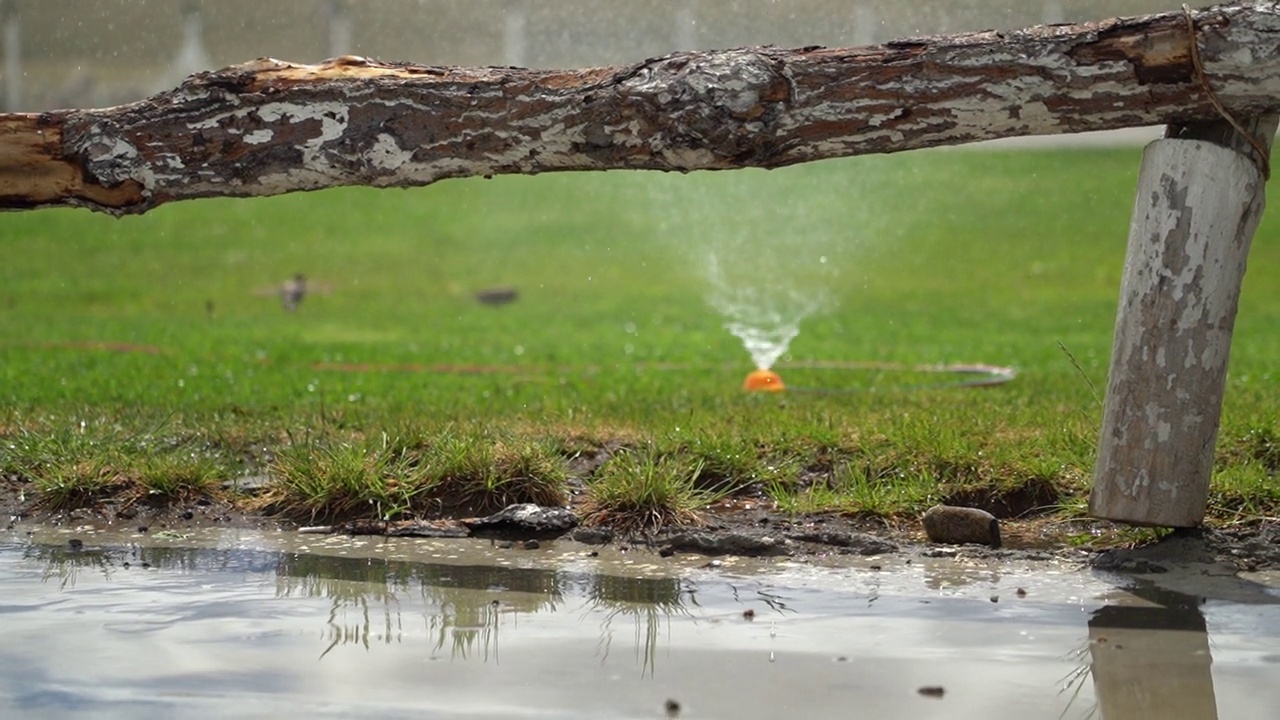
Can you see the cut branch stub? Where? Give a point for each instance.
(269, 127)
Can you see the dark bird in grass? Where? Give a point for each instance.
(497, 295)
(293, 291)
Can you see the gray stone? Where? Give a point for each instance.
(860, 543)
(592, 535)
(731, 543)
(525, 518)
(961, 525)
(1125, 563)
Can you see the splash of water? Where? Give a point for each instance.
(765, 317)
(769, 259)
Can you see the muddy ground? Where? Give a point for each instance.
(735, 528)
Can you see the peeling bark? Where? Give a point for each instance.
(270, 127)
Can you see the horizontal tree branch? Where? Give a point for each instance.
(270, 127)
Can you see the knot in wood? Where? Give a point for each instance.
(721, 103)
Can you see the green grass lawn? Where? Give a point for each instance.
(925, 257)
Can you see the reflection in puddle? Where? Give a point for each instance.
(527, 641)
(1138, 673)
(463, 608)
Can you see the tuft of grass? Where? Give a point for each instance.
(643, 490)
(1245, 490)
(177, 475)
(729, 462)
(1260, 444)
(76, 482)
(857, 488)
(474, 472)
(340, 478)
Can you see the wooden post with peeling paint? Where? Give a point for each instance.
(1201, 192)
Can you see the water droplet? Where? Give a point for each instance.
(823, 259)
(630, 328)
(771, 658)
(519, 350)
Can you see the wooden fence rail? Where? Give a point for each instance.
(270, 127)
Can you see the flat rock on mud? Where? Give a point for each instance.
(524, 519)
(855, 542)
(726, 543)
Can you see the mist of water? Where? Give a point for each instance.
(763, 313)
(768, 264)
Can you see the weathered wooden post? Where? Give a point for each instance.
(1200, 195)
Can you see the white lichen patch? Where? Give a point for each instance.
(258, 137)
(386, 154)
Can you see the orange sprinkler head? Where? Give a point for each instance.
(763, 381)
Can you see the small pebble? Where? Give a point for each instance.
(506, 545)
(875, 567)
(995, 598)
(666, 552)
(594, 553)
(933, 691)
(1021, 593)
(142, 528)
(672, 707)
(75, 544)
(532, 544)
(748, 614)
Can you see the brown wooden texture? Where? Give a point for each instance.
(270, 127)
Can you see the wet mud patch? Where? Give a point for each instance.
(1031, 497)
(731, 529)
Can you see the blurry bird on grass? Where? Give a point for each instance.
(294, 290)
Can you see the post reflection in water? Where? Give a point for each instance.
(1152, 661)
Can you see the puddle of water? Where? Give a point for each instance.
(253, 625)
